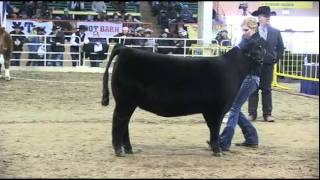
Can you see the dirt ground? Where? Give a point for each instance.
(53, 126)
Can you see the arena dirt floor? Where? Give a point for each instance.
(53, 126)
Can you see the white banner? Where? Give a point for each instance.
(104, 29)
(28, 25)
(2, 13)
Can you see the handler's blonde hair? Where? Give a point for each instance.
(251, 22)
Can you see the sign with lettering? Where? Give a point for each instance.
(101, 29)
(28, 25)
(288, 4)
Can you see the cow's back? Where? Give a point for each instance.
(169, 85)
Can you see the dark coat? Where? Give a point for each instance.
(22, 40)
(274, 46)
(57, 42)
(89, 49)
(175, 86)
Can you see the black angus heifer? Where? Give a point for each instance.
(175, 86)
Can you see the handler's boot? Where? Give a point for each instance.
(7, 75)
(252, 117)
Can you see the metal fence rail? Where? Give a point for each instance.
(303, 66)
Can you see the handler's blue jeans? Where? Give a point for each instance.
(249, 85)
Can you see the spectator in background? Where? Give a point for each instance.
(165, 34)
(31, 48)
(90, 17)
(181, 43)
(150, 43)
(275, 50)
(43, 6)
(178, 6)
(125, 33)
(78, 40)
(102, 17)
(57, 46)
(136, 4)
(18, 40)
(77, 6)
(119, 6)
(186, 15)
(38, 14)
(170, 16)
(139, 32)
(116, 17)
(223, 39)
(155, 6)
(26, 10)
(131, 22)
(96, 49)
(65, 25)
(66, 15)
(36, 48)
(99, 6)
(10, 9)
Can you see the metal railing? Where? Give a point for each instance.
(292, 65)
(44, 54)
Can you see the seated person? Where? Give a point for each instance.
(222, 37)
(166, 34)
(186, 15)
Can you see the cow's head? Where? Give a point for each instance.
(254, 50)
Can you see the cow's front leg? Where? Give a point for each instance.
(214, 124)
(120, 133)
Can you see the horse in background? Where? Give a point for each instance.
(6, 46)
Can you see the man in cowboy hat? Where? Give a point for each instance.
(274, 50)
(56, 40)
(139, 32)
(78, 40)
(18, 39)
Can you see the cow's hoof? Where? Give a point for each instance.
(119, 153)
(208, 142)
(217, 154)
(7, 78)
(105, 102)
(128, 151)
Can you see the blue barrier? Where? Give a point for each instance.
(310, 87)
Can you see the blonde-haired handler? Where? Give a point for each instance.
(248, 86)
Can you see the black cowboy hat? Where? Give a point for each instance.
(41, 30)
(55, 27)
(82, 27)
(265, 10)
(17, 26)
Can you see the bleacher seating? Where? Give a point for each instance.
(61, 5)
(193, 6)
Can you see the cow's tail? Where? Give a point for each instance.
(105, 86)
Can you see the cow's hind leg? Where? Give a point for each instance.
(126, 142)
(120, 133)
(214, 123)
